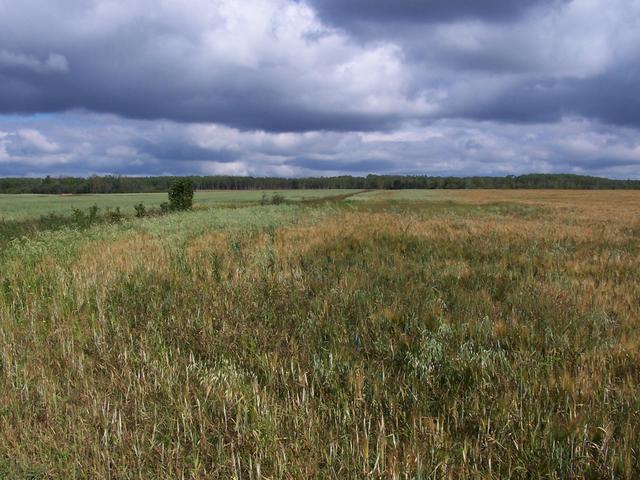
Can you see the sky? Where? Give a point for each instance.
(319, 87)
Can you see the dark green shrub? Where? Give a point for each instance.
(93, 214)
(141, 211)
(165, 207)
(181, 194)
(277, 199)
(50, 221)
(78, 216)
(114, 216)
(82, 219)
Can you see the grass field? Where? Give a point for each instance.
(19, 207)
(449, 334)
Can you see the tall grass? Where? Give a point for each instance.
(482, 339)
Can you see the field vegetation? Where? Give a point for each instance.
(462, 334)
(28, 206)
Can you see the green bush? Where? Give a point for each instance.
(93, 214)
(82, 219)
(181, 194)
(114, 216)
(78, 216)
(277, 199)
(141, 211)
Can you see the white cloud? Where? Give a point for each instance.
(444, 147)
(37, 140)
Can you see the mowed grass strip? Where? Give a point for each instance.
(492, 339)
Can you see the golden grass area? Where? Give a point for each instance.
(597, 204)
(478, 334)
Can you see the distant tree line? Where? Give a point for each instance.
(116, 184)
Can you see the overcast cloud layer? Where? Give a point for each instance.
(318, 87)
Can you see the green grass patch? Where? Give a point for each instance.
(21, 207)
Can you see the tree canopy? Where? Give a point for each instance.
(116, 184)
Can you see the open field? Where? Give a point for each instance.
(18, 207)
(448, 334)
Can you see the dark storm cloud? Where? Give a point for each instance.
(350, 13)
(343, 165)
(178, 149)
(611, 98)
(252, 106)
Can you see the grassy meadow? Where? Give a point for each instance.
(22, 207)
(413, 334)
